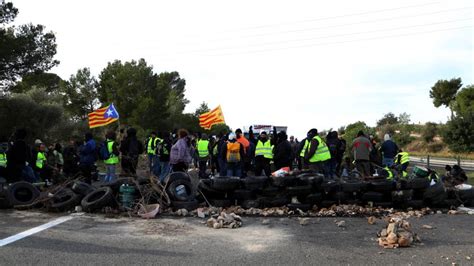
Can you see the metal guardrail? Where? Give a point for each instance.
(429, 161)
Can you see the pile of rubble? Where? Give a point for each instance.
(225, 220)
(398, 233)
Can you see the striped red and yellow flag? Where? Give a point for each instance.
(103, 116)
(207, 120)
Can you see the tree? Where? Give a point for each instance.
(388, 119)
(465, 101)
(444, 92)
(203, 108)
(429, 131)
(80, 94)
(141, 98)
(49, 81)
(459, 133)
(404, 119)
(352, 130)
(24, 49)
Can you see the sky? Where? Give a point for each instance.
(301, 64)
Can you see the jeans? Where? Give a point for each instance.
(387, 162)
(29, 175)
(222, 167)
(165, 170)
(202, 169)
(156, 168)
(331, 165)
(234, 169)
(110, 176)
(152, 162)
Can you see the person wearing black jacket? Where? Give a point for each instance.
(71, 158)
(164, 155)
(131, 149)
(19, 155)
(334, 146)
(282, 151)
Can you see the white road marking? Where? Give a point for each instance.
(34, 230)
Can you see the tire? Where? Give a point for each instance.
(355, 202)
(415, 204)
(277, 201)
(270, 191)
(302, 206)
(115, 185)
(65, 200)
(338, 197)
(22, 193)
(171, 190)
(466, 195)
(82, 188)
(177, 176)
(402, 196)
(435, 195)
(255, 182)
(98, 199)
(314, 198)
(226, 183)
(205, 187)
(372, 196)
(4, 203)
(330, 186)
(224, 203)
(188, 205)
(247, 204)
(284, 181)
(382, 186)
(299, 190)
(449, 203)
(243, 194)
(353, 186)
(418, 183)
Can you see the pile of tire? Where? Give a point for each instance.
(181, 191)
(311, 189)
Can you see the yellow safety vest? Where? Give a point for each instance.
(264, 149)
(40, 159)
(305, 147)
(113, 159)
(404, 159)
(3, 160)
(322, 152)
(203, 148)
(151, 147)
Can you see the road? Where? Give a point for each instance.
(467, 165)
(95, 240)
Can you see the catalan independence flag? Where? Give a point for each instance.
(103, 116)
(207, 120)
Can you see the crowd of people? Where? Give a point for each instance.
(225, 154)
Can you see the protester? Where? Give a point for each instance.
(220, 155)
(294, 150)
(130, 149)
(317, 154)
(263, 155)
(164, 154)
(58, 157)
(361, 148)
(388, 149)
(340, 154)
(214, 152)
(246, 144)
(40, 162)
(87, 157)
(402, 159)
(233, 153)
(300, 153)
(203, 153)
(181, 152)
(334, 145)
(151, 144)
(283, 151)
(71, 158)
(113, 159)
(3, 157)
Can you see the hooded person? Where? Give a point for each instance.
(334, 145)
(361, 148)
(317, 154)
(283, 151)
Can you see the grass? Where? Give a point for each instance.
(470, 178)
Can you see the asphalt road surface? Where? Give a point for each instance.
(94, 239)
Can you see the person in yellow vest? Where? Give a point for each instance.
(263, 155)
(151, 147)
(3, 157)
(113, 160)
(402, 159)
(39, 160)
(233, 152)
(303, 146)
(317, 154)
(203, 153)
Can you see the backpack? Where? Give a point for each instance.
(233, 152)
(133, 148)
(104, 151)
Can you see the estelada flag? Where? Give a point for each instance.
(103, 116)
(207, 120)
